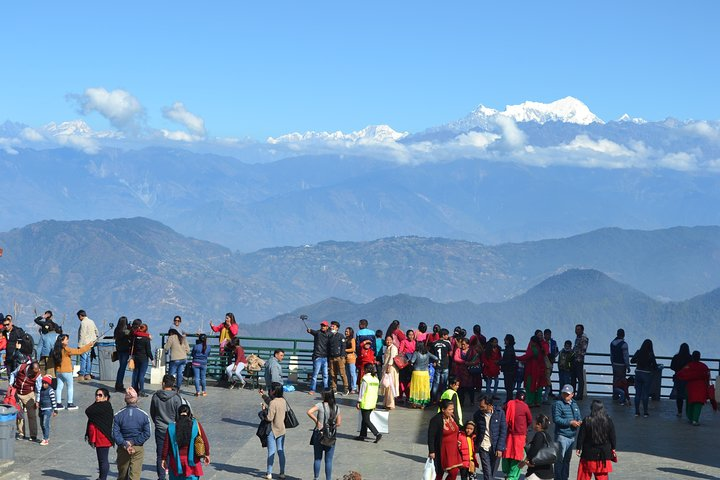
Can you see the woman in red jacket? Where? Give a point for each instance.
(535, 378)
(491, 366)
(228, 329)
(697, 376)
(98, 431)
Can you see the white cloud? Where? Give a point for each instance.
(31, 135)
(6, 144)
(121, 108)
(86, 144)
(513, 137)
(704, 129)
(179, 114)
(179, 136)
(584, 142)
(682, 161)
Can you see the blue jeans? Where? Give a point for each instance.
(488, 382)
(45, 416)
(200, 371)
(64, 379)
(642, 391)
(85, 363)
(176, 369)
(351, 372)
(562, 464)
(138, 376)
(565, 378)
(318, 450)
(123, 358)
(439, 383)
(319, 363)
(275, 445)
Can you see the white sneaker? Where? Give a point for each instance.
(269, 476)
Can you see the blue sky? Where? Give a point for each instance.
(268, 68)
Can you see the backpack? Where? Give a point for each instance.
(328, 432)
(27, 344)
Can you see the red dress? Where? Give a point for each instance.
(697, 374)
(450, 448)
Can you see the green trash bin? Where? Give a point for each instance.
(8, 414)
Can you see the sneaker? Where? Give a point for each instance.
(204, 394)
(45, 442)
(311, 392)
(346, 393)
(88, 377)
(637, 414)
(696, 424)
(645, 415)
(269, 476)
(72, 406)
(378, 437)
(60, 406)
(282, 476)
(33, 439)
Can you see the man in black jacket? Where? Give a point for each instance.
(491, 436)
(14, 336)
(336, 355)
(320, 355)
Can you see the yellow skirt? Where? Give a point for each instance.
(420, 388)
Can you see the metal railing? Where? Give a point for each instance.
(298, 358)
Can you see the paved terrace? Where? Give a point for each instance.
(662, 446)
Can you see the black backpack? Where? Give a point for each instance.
(329, 430)
(27, 344)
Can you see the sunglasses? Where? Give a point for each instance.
(99, 395)
(6, 324)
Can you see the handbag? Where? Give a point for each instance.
(199, 446)
(546, 455)
(400, 361)
(131, 361)
(291, 420)
(387, 380)
(429, 470)
(114, 356)
(475, 370)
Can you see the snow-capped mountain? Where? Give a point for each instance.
(635, 120)
(565, 110)
(77, 128)
(371, 134)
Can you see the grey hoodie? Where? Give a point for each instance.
(163, 408)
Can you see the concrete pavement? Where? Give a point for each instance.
(660, 447)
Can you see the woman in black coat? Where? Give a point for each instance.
(596, 443)
(540, 440)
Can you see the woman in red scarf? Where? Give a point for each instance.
(98, 431)
(519, 420)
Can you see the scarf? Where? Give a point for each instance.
(100, 414)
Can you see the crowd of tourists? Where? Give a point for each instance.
(416, 368)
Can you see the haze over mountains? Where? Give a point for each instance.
(141, 268)
(527, 172)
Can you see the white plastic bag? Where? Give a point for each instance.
(429, 471)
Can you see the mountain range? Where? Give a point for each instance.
(526, 172)
(141, 268)
(587, 296)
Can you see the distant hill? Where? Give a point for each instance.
(141, 268)
(575, 296)
(311, 198)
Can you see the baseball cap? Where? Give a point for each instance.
(567, 389)
(324, 323)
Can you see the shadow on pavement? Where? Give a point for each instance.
(415, 458)
(685, 472)
(62, 474)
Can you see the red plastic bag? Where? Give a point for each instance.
(10, 397)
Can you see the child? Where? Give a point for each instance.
(566, 359)
(45, 399)
(367, 401)
(366, 357)
(466, 439)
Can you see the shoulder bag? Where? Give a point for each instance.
(131, 360)
(546, 455)
(291, 420)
